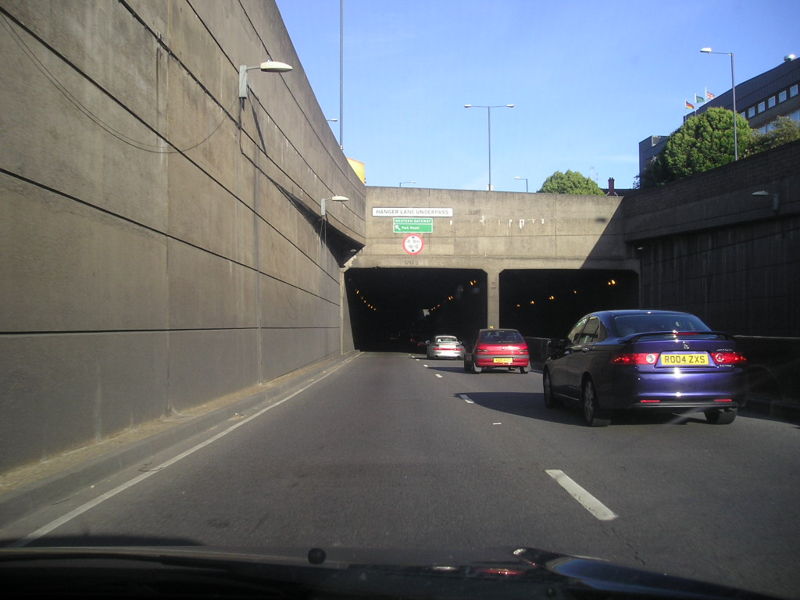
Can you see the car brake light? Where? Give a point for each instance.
(636, 358)
(649, 401)
(728, 358)
(723, 400)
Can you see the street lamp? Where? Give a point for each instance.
(270, 66)
(776, 199)
(402, 182)
(323, 212)
(733, 92)
(526, 182)
(489, 127)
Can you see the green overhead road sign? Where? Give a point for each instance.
(412, 224)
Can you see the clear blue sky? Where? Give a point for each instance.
(590, 79)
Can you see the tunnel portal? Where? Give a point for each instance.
(394, 309)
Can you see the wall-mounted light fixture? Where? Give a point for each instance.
(776, 200)
(323, 212)
(270, 66)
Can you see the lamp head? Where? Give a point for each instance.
(273, 66)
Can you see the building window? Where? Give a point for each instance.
(782, 96)
(771, 102)
(762, 106)
(793, 91)
(751, 112)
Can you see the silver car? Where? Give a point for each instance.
(445, 346)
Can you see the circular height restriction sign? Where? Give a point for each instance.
(413, 244)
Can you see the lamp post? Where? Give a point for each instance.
(733, 92)
(489, 128)
(526, 182)
(402, 182)
(341, 75)
(269, 66)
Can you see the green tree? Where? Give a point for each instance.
(570, 182)
(703, 142)
(654, 174)
(784, 130)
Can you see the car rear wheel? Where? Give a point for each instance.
(591, 411)
(721, 416)
(523, 370)
(475, 368)
(550, 401)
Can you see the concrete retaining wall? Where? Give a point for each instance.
(155, 253)
(709, 246)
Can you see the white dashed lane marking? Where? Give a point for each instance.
(584, 498)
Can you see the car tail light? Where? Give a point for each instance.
(728, 358)
(481, 349)
(723, 400)
(636, 358)
(649, 401)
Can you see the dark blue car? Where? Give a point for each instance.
(645, 360)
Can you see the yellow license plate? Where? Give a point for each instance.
(502, 361)
(684, 359)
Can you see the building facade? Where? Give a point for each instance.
(760, 100)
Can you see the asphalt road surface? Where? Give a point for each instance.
(396, 451)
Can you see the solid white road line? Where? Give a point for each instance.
(584, 498)
(466, 399)
(42, 531)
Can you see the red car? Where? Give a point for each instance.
(496, 348)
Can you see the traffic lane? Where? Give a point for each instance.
(400, 477)
(372, 458)
(677, 482)
(719, 493)
(388, 455)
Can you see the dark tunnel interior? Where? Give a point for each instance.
(393, 309)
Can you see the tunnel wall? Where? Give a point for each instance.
(155, 254)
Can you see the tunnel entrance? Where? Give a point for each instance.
(394, 309)
(547, 302)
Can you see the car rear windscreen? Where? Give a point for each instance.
(501, 337)
(642, 323)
